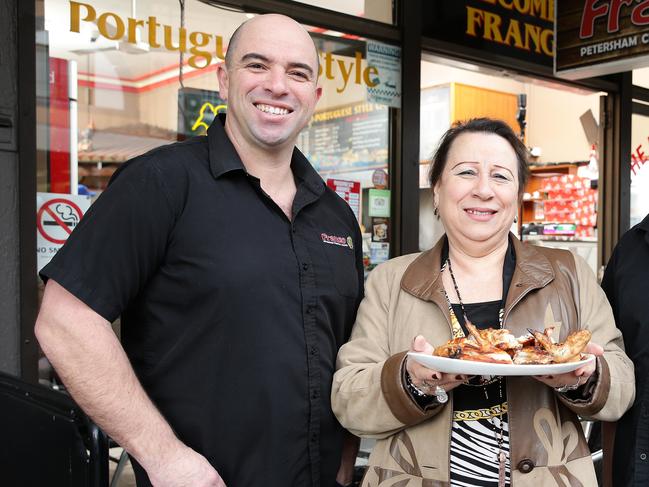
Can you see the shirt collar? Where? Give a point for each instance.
(644, 224)
(224, 158)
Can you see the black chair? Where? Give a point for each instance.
(47, 440)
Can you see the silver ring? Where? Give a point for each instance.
(441, 395)
(569, 387)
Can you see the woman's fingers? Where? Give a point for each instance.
(421, 345)
(420, 372)
(574, 378)
(594, 348)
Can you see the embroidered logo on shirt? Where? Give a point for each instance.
(334, 240)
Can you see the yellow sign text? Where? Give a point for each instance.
(129, 27)
(510, 32)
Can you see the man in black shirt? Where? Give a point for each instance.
(626, 281)
(237, 274)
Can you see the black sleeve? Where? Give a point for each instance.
(360, 269)
(608, 282)
(120, 241)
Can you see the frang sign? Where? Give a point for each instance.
(597, 37)
(517, 29)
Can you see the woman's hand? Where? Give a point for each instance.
(577, 377)
(426, 379)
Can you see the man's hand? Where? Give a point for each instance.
(345, 474)
(577, 377)
(184, 468)
(97, 373)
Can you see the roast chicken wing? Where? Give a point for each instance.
(478, 346)
(568, 351)
(500, 346)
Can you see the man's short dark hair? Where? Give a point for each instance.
(234, 39)
(232, 44)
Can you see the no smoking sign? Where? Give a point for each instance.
(56, 217)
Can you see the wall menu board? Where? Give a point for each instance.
(348, 138)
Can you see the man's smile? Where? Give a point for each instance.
(273, 110)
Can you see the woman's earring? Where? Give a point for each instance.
(516, 219)
(435, 211)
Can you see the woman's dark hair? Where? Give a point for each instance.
(487, 126)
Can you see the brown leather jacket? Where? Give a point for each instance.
(404, 298)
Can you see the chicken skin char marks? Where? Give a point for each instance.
(501, 346)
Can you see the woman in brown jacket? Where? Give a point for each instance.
(437, 429)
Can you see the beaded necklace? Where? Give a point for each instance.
(457, 332)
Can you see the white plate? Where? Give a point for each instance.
(456, 366)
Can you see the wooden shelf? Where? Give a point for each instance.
(537, 175)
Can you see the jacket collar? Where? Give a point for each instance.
(643, 226)
(423, 280)
(224, 158)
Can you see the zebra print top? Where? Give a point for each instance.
(478, 413)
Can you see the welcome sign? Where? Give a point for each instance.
(515, 29)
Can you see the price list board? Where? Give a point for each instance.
(348, 138)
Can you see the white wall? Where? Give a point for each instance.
(552, 111)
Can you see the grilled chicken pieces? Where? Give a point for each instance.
(500, 346)
(568, 351)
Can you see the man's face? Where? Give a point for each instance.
(271, 83)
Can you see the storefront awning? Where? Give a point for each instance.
(111, 147)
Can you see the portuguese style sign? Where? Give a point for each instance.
(597, 37)
(203, 48)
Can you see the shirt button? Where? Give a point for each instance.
(643, 456)
(526, 466)
(314, 437)
(315, 393)
(305, 266)
(309, 309)
(313, 350)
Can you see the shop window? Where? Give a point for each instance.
(557, 124)
(122, 78)
(640, 77)
(639, 168)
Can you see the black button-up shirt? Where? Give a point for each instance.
(626, 282)
(232, 314)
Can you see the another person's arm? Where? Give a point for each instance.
(86, 354)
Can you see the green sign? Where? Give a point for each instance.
(379, 202)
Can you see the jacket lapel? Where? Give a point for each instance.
(533, 271)
(422, 278)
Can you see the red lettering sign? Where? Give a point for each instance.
(613, 11)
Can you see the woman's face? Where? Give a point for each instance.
(477, 194)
